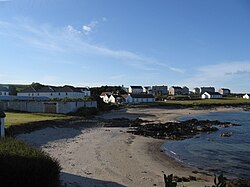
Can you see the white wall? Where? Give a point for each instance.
(38, 106)
(60, 95)
(135, 90)
(139, 100)
(4, 93)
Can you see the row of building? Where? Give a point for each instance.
(174, 90)
(46, 92)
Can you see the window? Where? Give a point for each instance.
(66, 93)
(51, 94)
(59, 93)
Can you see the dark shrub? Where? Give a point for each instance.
(85, 112)
(22, 165)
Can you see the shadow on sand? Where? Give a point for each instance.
(49, 134)
(70, 180)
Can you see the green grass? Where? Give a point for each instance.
(207, 102)
(228, 101)
(13, 118)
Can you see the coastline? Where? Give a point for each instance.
(110, 156)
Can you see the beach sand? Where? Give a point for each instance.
(100, 156)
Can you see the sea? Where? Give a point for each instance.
(213, 153)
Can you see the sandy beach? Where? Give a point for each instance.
(95, 156)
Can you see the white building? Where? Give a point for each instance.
(246, 96)
(140, 98)
(55, 92)
(4, 91)
(197, 90)
(224, 91)
(135, 89)
(211, 95)
(105, 96)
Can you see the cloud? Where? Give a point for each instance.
(89, 27)
(219, 74)
(72, 30)
(69, 40)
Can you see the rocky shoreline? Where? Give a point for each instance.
(177, 130)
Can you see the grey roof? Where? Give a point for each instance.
(142, 95)
(3, 89)
(65, 88)
(213, 93)
(28, 90)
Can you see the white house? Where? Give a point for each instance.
(135, 89)
(4, 91)
(105, 96)
(140, 98)
(246, 96)
(55, 92)
(224, 91)
(211, 95)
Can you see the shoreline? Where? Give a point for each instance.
(100, 156)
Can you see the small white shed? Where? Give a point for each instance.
(246, 96)
(211, 95)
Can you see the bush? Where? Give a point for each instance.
(22, 165)
(85, 112)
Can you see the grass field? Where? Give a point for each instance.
(225, 101)
(13, 118)
(228, 101)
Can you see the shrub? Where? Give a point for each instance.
(22, 165)
(85, 112)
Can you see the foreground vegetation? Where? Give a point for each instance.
(22, 165)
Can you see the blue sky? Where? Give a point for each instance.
(126, 42)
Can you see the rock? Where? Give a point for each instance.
(226, 134)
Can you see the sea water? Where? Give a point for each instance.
(214, 153)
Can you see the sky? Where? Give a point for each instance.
(126, 42)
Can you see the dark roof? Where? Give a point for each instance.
(28, 90)
(4, 89)
(65, 88)
(142, 95)
(225, 89)
(136, 87)
(176, 87)
(105, 93)
(2, 114)
(213, 93)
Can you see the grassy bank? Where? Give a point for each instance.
(230, 101)
(13, 118)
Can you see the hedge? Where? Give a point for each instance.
(23, 165)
